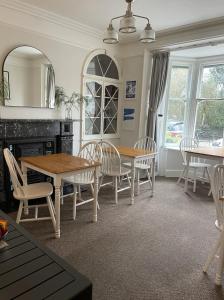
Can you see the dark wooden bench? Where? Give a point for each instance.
(30, 271)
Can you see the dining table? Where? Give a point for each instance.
(134, 155)
(59, 166)
(211, 153)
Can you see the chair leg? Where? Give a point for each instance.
(51, 211)
(92, 190)
(209, 179)
(195, 181)
(218, 278)
(212, 255)
(79, 192)
(18, 218)
(182, 175)
(74, 202)
(128, 179)
(115, 188)
(138, 181)
(150, 182)
(100, 183)
(62, 194)
(26, 209)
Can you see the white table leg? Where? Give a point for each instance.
(57, 185)
(96, 178)
(24, 171)
(188, 157)
(132, 181)
(153, 175)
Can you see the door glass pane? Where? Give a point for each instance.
(110, 109)
(93, 108)
(210, 122)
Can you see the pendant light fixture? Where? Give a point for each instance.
(127, 25)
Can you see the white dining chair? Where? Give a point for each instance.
(195, 164)
(25, 192)
(112, 167)
(217, 186)
(147, 144)
(92, 152)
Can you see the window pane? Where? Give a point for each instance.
(178, 92)
(212, 82)
(210, 122)
(178, 82)
(175, 122)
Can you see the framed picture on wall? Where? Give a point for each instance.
(6, 90)
(128, 119)
(130, 89)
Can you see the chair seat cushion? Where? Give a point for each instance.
(34, 191)
(197, 165)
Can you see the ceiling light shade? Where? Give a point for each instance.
(127, 25)
(111, 36)
(147, 35)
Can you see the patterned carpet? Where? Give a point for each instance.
(154, 249)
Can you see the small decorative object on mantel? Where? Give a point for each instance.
(69, 101)
(3, 232)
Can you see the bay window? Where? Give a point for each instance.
(195, 107)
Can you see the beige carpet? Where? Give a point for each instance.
(154, 249)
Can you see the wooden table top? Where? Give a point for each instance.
(208, 151)
(132, 152)
(59, 163)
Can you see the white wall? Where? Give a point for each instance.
(132, 70)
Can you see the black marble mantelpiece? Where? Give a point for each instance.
(30, 134)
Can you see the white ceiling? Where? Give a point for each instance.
(163, 14)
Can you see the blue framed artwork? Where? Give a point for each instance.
(129, 119)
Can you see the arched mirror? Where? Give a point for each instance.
(28, 78)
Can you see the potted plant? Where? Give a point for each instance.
(69, 101)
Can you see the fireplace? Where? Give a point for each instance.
(30, 138)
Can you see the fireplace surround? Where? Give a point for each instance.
(29, 138)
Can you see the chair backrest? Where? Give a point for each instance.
(187, 143)
(146, 143)
(15, 172)
(217, 186)
(92, 152)
(110, 158)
